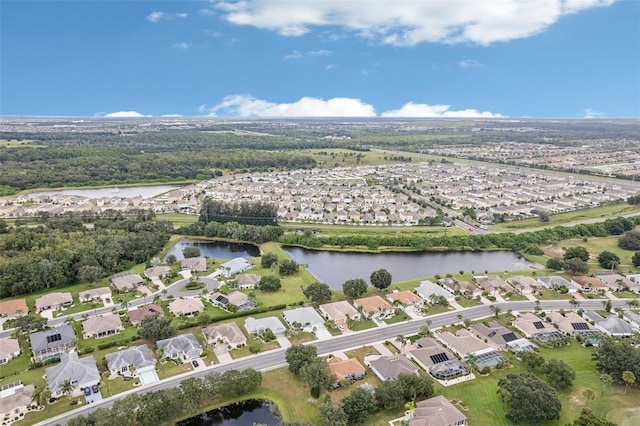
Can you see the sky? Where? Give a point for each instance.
(297, 58)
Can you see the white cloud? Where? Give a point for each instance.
(157, 16)
(181, 45)
(296, 54)
(592, 113)
(248, 106)
(172, 115)
(469, 63)
(407, 22)
(125, 114)
(411, 109)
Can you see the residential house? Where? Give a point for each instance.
(186, 307)
(523, 285)
(126, 281)
(260, 325)
(100, 294)
(573, 324)
(54, 301)
(374, 307)
(463, 342)
(157, 272)
(469, 290)
(136, 316)
(555, 282)
(435, 359)
(226, 333)
(15, 400)
(235, 266)
(239, 300)
(13, 308)
(590, 284)
(429, 291)
(611, 325)
(390, 367)
(346, 369)
(493, 284)
(617, 282)
(339, 312)
(101, 326)
(9, 349)
(194, 264)
(52, 343)
(183, 347)
(130, 362)
(406, 298)
(632, 318)
(82, 373)
(496, 334)
(247, 281)
(437, 411)
(535, 328)
(307, 317)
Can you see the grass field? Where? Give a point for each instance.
(603, 212)
(178, 219)
(348, 158)
(595, 246)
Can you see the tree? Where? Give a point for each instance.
(332, 414)
(358, 405)
(234, 383)
(268, 260)
(90, 274)
(630, 240)
(616, 356)
(574, 303)
(354, 288)
(193, 393)
(628, 378)
(528, 398)
(191, 251)
(635, 259)
(318, 292)
(67, 388)
(588, 394)
(299, 355)
(608, 260)
(171, 259)
(270, 283)
(606, 381)
(29, 323)
(316, 374)
(495, 309)
(576, 266)
(559, 374)
(587, 418)
(380, 279)
(576, 252)
(555, 264)
(413, 386)
(543, 216)
(289, 267)
(389, 395)
(533, 360)
(607, 305)
(156, 328)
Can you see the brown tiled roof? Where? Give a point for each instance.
(136, 316)
(10, 307)
(341, 368)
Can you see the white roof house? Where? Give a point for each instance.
(9, 349)
(427, 288)
(82, 373)
(187, 307)
(611, 325)
(184, 346)
(139, 357)
(307, 317)
(259, 326)
(235, 266)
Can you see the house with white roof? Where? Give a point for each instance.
(183, 347)
(235, 266)
(260, 325)
(131, 362)
(81, 373)
(429, 289)
(9, 349)
(307, 317)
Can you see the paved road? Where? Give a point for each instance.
(276, 358)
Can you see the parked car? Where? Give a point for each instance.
(87, 391)
(195, 363)
(95, 388)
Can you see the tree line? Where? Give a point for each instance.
(244, 212)
(62, 252)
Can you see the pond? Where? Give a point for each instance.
(249, 412)
(216, 249)
(126, 192)
(334, 268)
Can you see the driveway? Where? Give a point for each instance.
(284, 342)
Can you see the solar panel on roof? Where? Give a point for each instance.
(509, 337)
(579, 326)
(438, 358)
(538, 325)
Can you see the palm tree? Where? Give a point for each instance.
(628, 378)
(574, 303)
(164, 293)
(633, 303)
(588, 394)
(496, 310)
(124, 305)
(156, 298)
(67, 388)
(606, 380)
(402, 340)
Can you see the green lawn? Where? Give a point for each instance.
(595, 246)
(361, 325)
(178, 219)
(548, 294)
(402, 316)
(252, 340)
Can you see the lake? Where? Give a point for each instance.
(216, 249)
(334, 268)
(126, 192)
(244, 413)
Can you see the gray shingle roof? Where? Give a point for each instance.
(81, 372)
(138, 356)
(44, 339)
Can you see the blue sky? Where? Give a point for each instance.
(432, 58)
